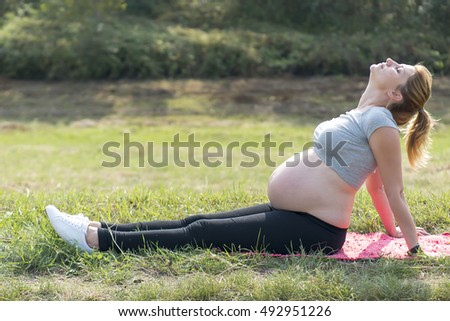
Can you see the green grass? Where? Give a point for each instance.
(55, 156)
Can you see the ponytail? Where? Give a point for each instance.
(410, 112)
(418, 139)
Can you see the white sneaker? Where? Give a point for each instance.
(80, 216)
(71, 228)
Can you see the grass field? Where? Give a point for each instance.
(52, 141)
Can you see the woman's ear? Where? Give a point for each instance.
(395, 95)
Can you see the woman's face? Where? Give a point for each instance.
(390, 74)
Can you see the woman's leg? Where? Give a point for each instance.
(173, 224)
(275, 231)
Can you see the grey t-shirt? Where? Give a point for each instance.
(343, 142)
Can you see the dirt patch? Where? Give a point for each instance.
(84, 103)
(12, 126)
(84, 123)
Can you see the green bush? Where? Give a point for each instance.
(123, 46)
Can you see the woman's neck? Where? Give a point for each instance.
(373, 97)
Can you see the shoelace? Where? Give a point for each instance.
(78, 224)
(79, 216)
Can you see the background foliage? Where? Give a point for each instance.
(112, 39)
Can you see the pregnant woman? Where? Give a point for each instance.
(311, 194)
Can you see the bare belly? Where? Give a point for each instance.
(305, 184)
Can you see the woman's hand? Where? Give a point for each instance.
(420, 232)
(398, 233)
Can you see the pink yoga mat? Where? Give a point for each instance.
(378, 245)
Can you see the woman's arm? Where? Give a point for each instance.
(376, 190)
(385, 145)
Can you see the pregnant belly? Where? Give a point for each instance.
(303, 183)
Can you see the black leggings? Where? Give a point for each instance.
(256, 228)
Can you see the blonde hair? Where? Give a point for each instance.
(410, 112)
